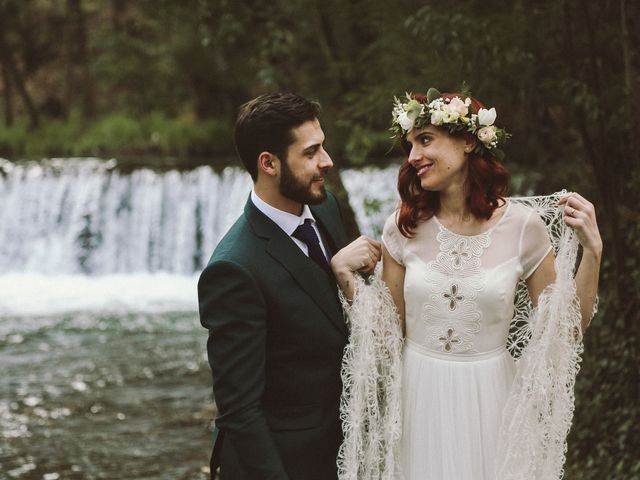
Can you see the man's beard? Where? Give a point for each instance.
(297, 190)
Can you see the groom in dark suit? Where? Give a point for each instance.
(269, 300)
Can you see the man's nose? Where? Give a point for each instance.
(325, 161)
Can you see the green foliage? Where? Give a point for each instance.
(365, 144)
(115, 132)
(13, 140)
(119, 135)
(55, 138)
(603, 442)
(185, 136)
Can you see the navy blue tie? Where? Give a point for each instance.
(307, 234)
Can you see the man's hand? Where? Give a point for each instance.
(361, 255)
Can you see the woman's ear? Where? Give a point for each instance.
(267, 162)
(470, 143)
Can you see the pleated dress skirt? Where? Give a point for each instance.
(452, 409)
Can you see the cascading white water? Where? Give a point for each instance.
(77, 234)
(373, 196)
(83, 216)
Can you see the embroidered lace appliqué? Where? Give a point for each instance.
(455, 279)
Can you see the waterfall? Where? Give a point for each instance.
(82, 216)
(373, 196)
(80, 235)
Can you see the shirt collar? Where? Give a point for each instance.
(288, 222)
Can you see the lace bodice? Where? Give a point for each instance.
(459, 290)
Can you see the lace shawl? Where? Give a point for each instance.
(546, 343)
(371, 376)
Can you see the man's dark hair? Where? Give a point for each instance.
(265, 124)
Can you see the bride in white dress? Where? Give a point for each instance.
(453, 255)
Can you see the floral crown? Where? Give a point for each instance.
(454, 114)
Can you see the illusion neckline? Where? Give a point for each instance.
(481, 234)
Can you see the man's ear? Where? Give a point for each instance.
(268, 163)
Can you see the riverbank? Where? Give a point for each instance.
(159, 141)
(119, 135)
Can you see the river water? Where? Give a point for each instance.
(102, 357)
(90, 395)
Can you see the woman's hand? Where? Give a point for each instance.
(361, 255)
(580, 215)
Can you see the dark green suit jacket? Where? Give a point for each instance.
(276, 339)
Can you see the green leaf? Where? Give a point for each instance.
(432, 94)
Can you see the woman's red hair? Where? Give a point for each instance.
(486, 185)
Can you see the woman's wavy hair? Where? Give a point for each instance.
(486, 184)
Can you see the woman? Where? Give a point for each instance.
(453, 256)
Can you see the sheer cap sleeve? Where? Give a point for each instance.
(535, 244)
(393, 240)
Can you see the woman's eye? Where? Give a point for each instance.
(424, 140)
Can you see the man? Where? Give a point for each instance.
(270, 302)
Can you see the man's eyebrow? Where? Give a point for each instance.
(311, 148)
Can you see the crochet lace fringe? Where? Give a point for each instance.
(371, 375)
(546, 343)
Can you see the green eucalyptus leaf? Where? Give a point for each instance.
(432, 94)
(413, 108)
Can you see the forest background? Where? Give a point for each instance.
(159, 82)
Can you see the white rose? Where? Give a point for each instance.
(486, 117)
(450, 115)
(405, 122)
(437, 117)
(487, 134)
(458, 106)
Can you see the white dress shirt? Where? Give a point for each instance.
(288, 222)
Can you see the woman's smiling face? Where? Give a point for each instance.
(439, 158)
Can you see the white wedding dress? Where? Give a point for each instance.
(482, 387)
(456, 370)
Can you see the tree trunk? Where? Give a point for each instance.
(7, 91)
(14, 76)
(118, 9)
(630, 93)
(7, 94)
(330, 50)
(630, 147)
(78, 62)
(597, 156)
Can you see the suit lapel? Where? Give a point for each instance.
(330, 227)
(311, 278)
